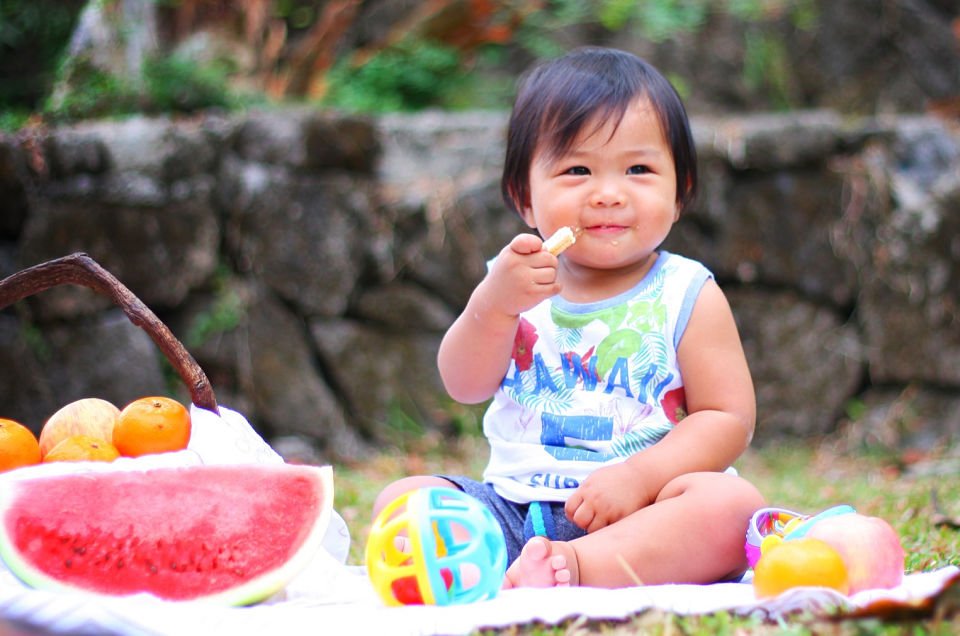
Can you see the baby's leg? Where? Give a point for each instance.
(401, 486)
(407, 484)
(543, 563)
(693, 533)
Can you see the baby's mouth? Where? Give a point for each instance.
(604, 228)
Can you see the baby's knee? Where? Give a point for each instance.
(740, 493)
(718, 492)
(407, 484)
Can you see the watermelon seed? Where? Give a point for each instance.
(68, 563)
(119, 564)
(153, 569)
(80, 549)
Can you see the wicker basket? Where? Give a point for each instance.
(81, 269)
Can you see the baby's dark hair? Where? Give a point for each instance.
(589, 86)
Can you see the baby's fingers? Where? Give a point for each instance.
(543, 275)
(526, 244)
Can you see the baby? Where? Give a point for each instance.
(619, 391)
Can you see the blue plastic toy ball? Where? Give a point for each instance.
(436, 546)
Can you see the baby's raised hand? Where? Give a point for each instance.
(522, 276)
(608, 495)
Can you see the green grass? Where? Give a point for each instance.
(912, 492)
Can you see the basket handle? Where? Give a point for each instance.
(81, 269)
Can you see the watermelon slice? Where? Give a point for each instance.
(232, 534)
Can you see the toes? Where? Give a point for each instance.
(540, 565)
(537, 548)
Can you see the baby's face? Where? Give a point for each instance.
(617, 185)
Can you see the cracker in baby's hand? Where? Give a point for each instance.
(561, 240)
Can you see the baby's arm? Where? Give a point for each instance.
(721, 411)
(476, 350)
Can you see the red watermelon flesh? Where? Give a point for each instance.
(232, 534)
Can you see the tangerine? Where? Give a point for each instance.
(18, 445)
(80, 448)
(152, 425)
(797, 563)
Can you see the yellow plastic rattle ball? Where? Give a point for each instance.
(435, 546)
(799, 563)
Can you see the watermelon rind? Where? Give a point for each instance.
(249, 592)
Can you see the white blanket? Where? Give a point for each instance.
(330, 595)
(333, 598)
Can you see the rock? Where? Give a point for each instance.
(259, 360)
(310, 239)
(390, 380)
(308, 140)
(105, 356)
(312, 262)
(805, 361)
(426, 155)
(285, 381)
(911, 418)
(775, 229)
(445, 246)
(404, 307)
(14, 206)
(296, 449)
(907, 253)
(160, 253)
(852, 67)
(771, 142)
(27, 394)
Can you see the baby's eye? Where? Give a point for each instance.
(638, 170)
(578, 171)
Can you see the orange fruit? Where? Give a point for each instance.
(152, 425)
(79, 448)
(90, 416)
(18, 445)
(798, 563)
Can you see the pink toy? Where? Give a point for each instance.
(770, 526)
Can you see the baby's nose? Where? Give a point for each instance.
(606, 196)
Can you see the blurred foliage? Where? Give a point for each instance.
(170, 85)
(98, 95)
(33, 35)
(13, 119)
(440, 54)
(412, 75)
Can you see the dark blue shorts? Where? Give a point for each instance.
(520, 522)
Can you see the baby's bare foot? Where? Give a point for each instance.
(543, 563)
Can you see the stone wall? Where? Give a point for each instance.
(311, 263)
